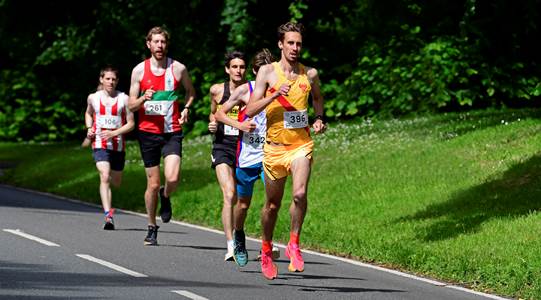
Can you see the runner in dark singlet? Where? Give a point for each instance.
(225, 141)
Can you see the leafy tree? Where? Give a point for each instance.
(375, 58)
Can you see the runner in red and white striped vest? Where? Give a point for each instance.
(109, 114)
(107, 119)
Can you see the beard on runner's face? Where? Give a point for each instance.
(159, 53)
(158, 47)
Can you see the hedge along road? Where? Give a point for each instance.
(54, 247)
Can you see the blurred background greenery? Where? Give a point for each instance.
(377, 59)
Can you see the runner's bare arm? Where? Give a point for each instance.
(317, 100)
(135, 101)
(239, 95)
(89, 120)
(187, 84)
(190, 92)
(89, 112)
(257, 101)
(130, 123)
(214, 92)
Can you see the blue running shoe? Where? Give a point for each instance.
(240, 255)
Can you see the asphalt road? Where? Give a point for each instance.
(54, 248)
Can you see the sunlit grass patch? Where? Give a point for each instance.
(453, 196)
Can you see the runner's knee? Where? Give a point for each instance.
(172, 179)
(105, 177)
(229, 197)
(299, 196)
(153, 186)
(244, 204)
(272, 205)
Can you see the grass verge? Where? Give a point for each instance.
(453, 197)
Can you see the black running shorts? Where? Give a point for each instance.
(116, 159)
(154, 146)
(223, 155)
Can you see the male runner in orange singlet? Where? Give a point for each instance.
(282, 89)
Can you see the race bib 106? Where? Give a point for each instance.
(157, 108)
(108, 122)
(295, 119)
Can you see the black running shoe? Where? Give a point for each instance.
(240, 255)
(109, 224)
(165, 206)
(152, 236)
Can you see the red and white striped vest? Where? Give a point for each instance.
(109, 117)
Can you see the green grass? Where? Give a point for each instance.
(453, 197)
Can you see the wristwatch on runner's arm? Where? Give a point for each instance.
(320, 117)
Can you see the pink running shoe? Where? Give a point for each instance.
(109, 224)
(268, 267)
(296, 262)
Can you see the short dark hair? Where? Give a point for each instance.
(105, 69)
(108, 68)
(289, 27)
(263, 57)
(229, 56)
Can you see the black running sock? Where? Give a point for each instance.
(239, 236)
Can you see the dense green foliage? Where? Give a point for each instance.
(375, 58)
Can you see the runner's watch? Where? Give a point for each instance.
(320, 117)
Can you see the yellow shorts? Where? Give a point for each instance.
(277, 159)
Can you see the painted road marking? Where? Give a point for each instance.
(111, 265)
(346, 260)
(475, 292)
(31, 237)
(189, 295)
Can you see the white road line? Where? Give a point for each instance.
(111, 265)
(349, 261)
(365, 265)
(345, 260)
(189, 295)
(31, 237)
(399, 273)
(475, 292)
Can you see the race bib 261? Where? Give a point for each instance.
(157, 108)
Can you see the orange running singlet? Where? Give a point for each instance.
(287, 116)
